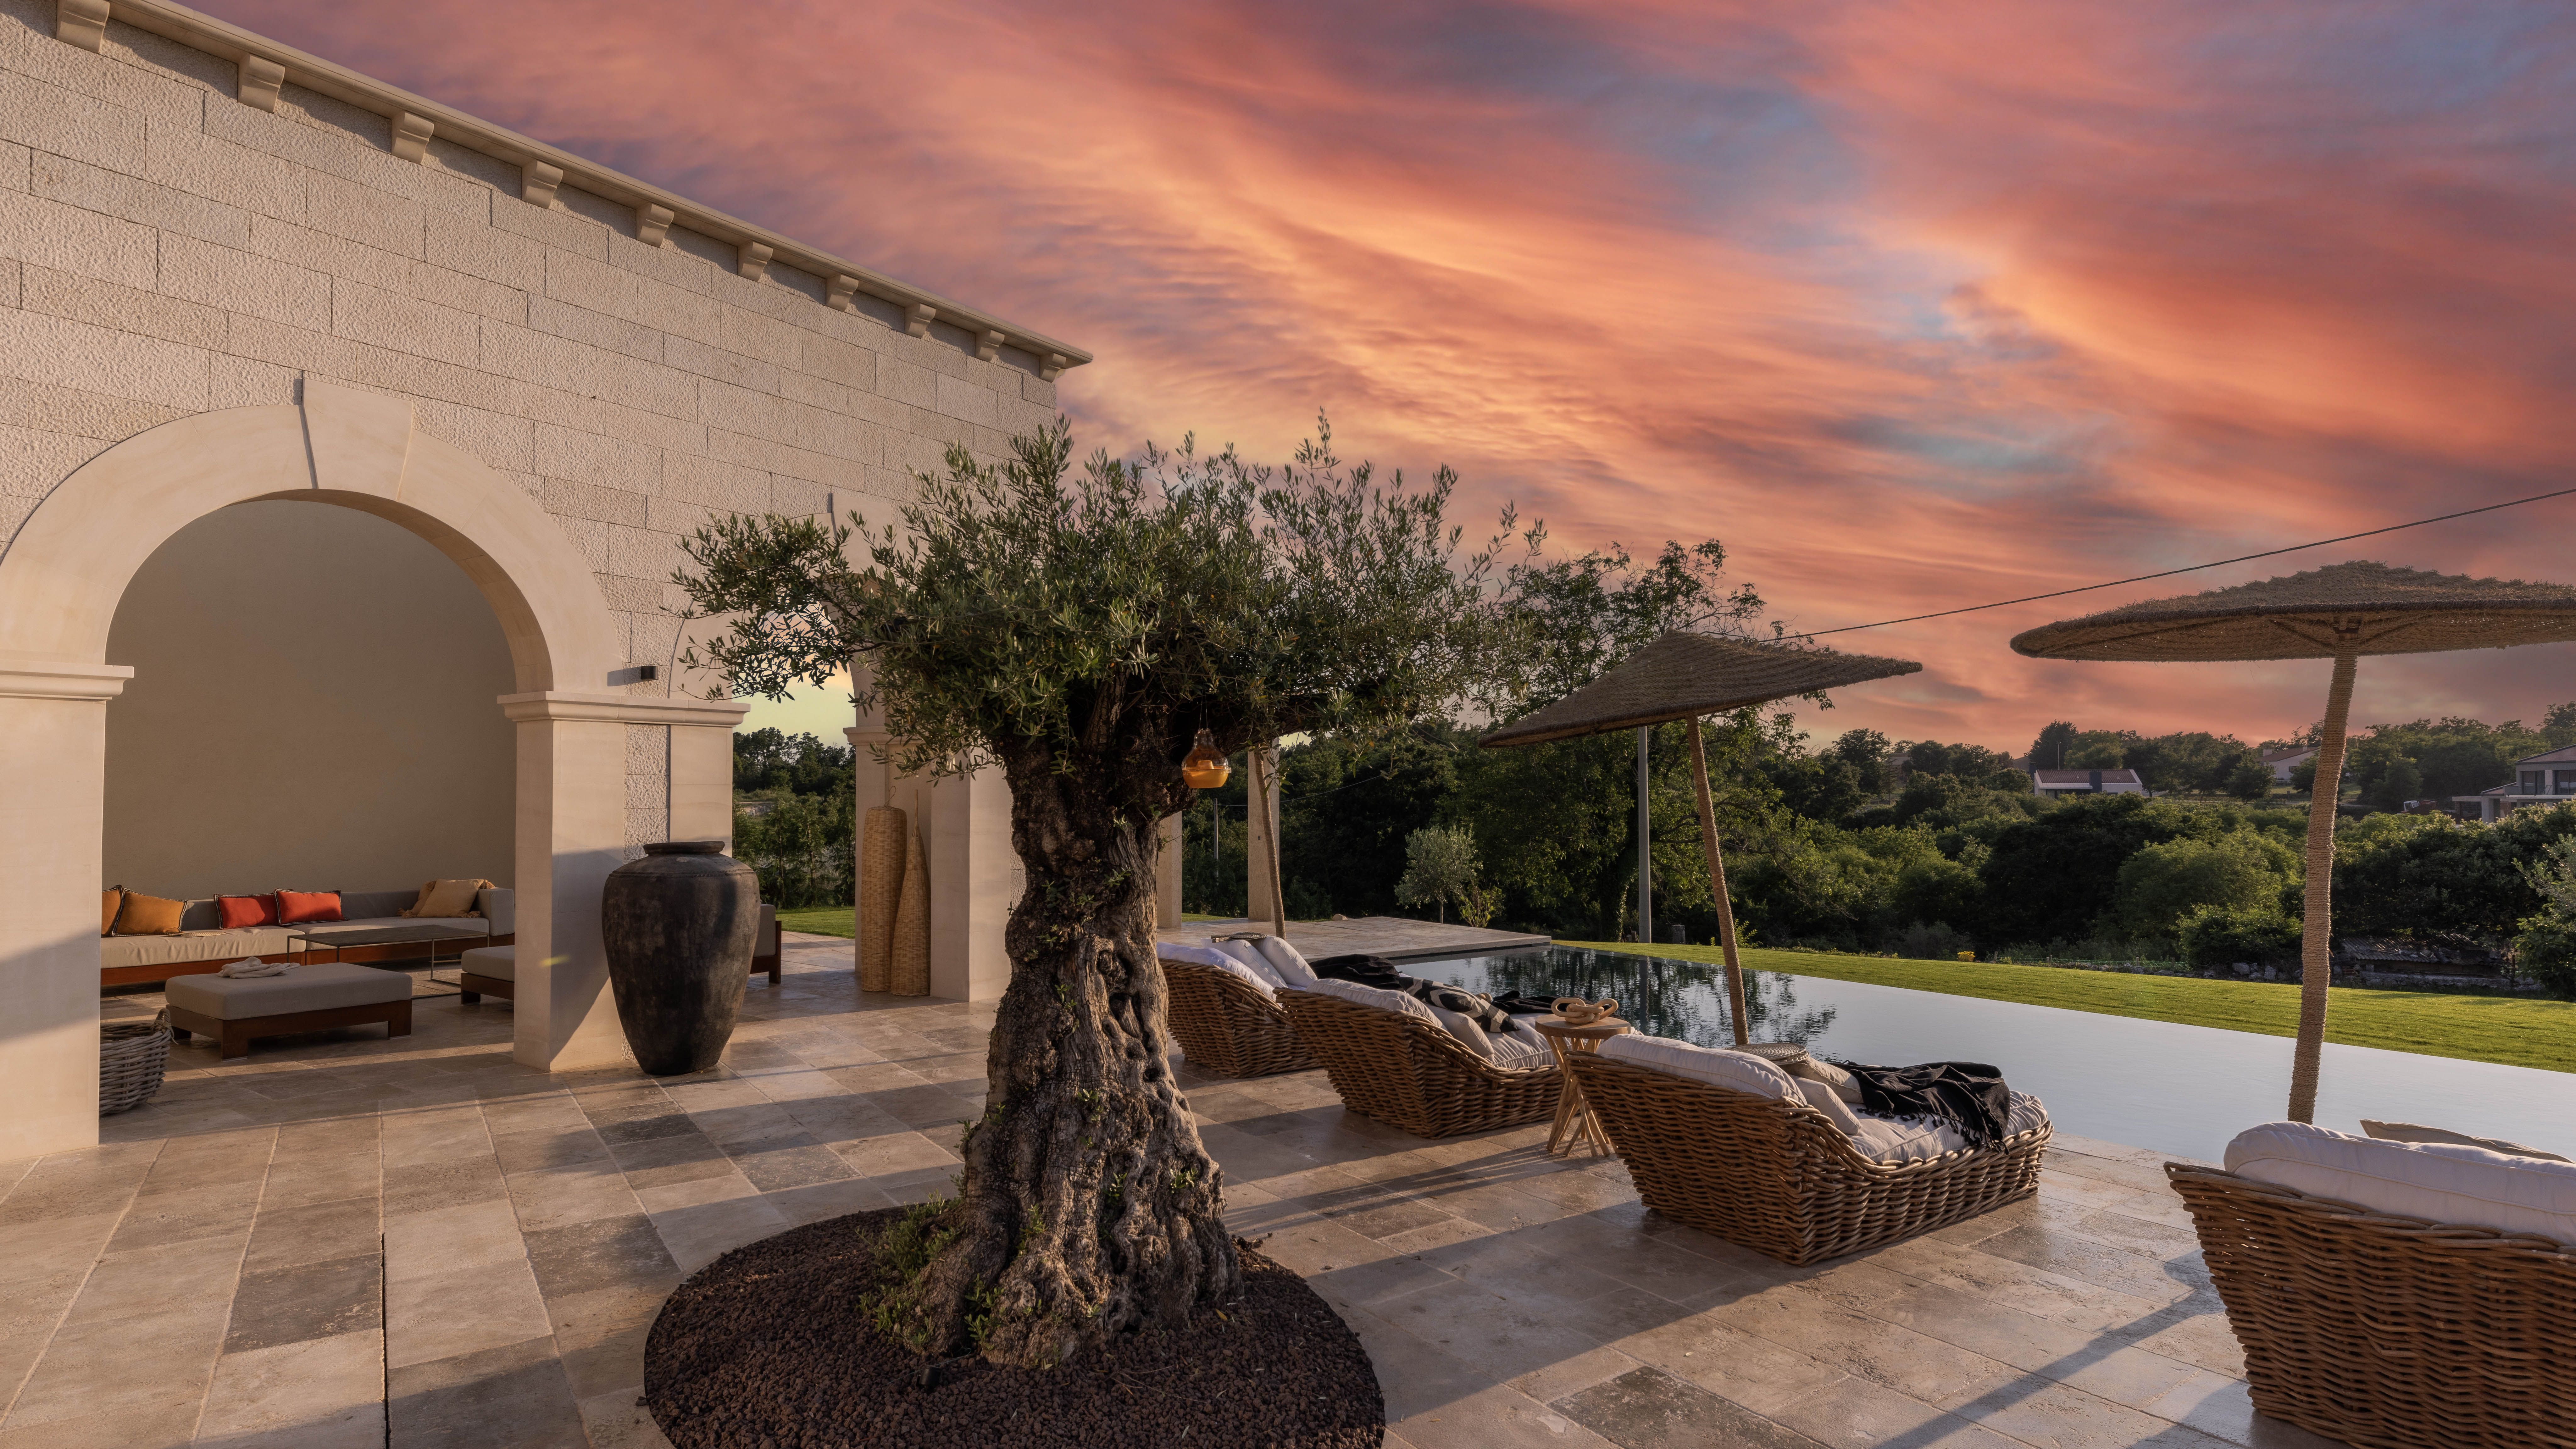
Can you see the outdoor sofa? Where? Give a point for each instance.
(1731, 1144)
(1432, 1073)
(2391, 1293)
(200, 945)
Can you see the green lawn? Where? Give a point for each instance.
(822, 920)
(2516, 1031)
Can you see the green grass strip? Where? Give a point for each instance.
(822, 920)
(2516, 1031)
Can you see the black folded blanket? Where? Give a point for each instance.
(1970, 1096)
(1493, 1013)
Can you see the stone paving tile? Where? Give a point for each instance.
(348, 1240)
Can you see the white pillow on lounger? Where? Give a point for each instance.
(1358, 995)
(1287, 961)
(1251, 960)
(1735, 1071)
(1211, 957)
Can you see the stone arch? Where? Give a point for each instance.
(62, 576)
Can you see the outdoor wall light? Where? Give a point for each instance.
(1204, 768)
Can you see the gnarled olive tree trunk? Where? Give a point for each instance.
(1089, 1207)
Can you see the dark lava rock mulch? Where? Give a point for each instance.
(768, 1347)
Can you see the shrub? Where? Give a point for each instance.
(2545, 953)
(1935, 942)
(2225, 935)
(2163, 882)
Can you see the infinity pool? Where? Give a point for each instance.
(2154, 1084)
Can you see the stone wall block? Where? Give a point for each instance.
(569, 499)
(48, 408)
(595, 329)
(186, 159)
(124, 309)
(651, 635)
(330, 255)
(770, 338)
(555, 227)
(58, 350)
(836, 359)
(295, 347)
(17, 164)
(589, 535)
(469, 294)
(32, 461)
(75, 239)
(592, 284)
(242, 382)
(674, 517)
(506, 443)
(472, 246)
(804, 498)
(732, 370)
(641, 554)
(237, 281)
(415, 376)
(561, 363)
(136, 200)
(67, 123)
(713, 483)
(814, 392)
(107, 72)
(366, 215)
(629, 596)
(1018, 417)
(297, 134)
(663, 262)
(967, 402)
(611, 462)
(402, 323)
(905, 381)
(1039, 390)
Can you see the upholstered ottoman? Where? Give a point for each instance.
(313, 997)
(488, 971)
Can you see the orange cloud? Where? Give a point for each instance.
(1912, 304)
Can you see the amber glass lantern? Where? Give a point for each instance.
(1205, 769)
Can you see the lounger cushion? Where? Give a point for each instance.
(1287, 961)
(2411, 1132)
(494, 962)
(1735, 1071)
(1241, 953)
(2443, 1182)
(1513, 1054)
(1358, 995)
(317, 986)
(1821, 1096)
(1215, 959)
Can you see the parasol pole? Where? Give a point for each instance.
(1725, 907)
(1265, 765)
(2317, 931)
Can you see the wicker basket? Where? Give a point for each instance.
(2389, 1331)
(1408, 1073)
(1227, 1027)
(131, 1058)
(1778, 1177)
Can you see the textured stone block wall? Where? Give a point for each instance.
(166, 250)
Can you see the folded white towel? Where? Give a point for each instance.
(256, 967)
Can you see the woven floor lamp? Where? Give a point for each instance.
(2339, 612)
(1684, 676)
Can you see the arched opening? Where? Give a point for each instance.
(312, 708)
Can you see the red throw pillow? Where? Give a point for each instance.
(296, 907)
(240, 911)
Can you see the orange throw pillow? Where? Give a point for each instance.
(240, 911)
(110, 901)
(296, 907)
(143, 915)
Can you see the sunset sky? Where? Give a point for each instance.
(1911, 305)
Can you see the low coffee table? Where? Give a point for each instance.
(1575, 1124)
(319, 935)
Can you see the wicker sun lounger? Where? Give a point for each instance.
(2389, 1331)
(1778, 1177)
(1408, 1073)
(1226, 1026)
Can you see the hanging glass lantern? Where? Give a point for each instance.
(1205, 769)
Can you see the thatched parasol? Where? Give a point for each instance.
(2339, 612)
(1684, 676)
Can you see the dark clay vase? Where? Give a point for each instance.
(678, 926)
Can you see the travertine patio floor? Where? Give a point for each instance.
(349, 1241)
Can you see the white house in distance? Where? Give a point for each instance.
(2282, 761)
(2547, 778)
(349, 441)
(2087, 782)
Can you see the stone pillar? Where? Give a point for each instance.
(1261, 792)
(1167, 874)
(53, 785)
(572, 833)
(975, 876)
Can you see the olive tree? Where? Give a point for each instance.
(1077, 629)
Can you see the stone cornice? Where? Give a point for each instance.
(24, 678)
(643, 709)
(414, 119)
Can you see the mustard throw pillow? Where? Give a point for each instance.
(143, 915)
(110, 901)
(448, 898)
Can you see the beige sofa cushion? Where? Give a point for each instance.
(444, 898)
(122, 951)
(318, 986)
(495, 962)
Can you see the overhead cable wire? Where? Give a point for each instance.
(2194, 568)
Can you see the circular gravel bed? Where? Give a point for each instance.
(768, 1347)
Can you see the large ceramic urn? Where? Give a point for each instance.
(679, 927)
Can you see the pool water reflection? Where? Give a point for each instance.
(2154, 1084)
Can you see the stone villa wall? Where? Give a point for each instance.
(167, 248)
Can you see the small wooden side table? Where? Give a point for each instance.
(1575, 1125)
